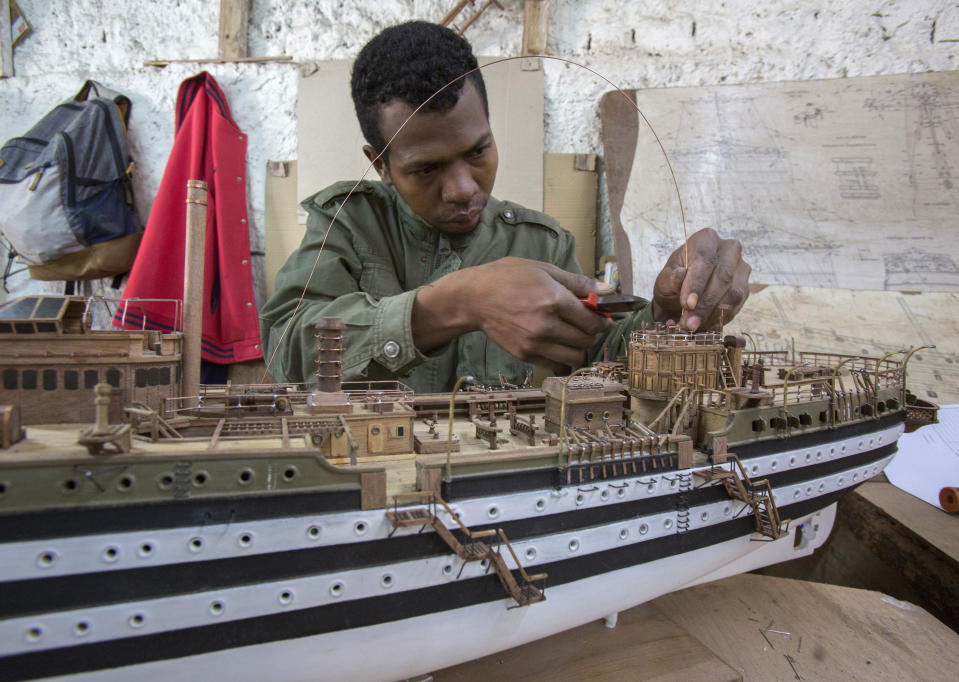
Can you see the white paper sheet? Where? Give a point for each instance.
(928, 459)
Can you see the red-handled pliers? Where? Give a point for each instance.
(614, 303)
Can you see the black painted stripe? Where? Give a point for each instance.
(365, 612)
(491, 484)
(39, 595)
(74, 521)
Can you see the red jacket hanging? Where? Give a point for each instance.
(207, 146)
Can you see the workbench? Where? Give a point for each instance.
(746, 627)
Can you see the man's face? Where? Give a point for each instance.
(443, 164)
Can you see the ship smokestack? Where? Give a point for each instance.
(196, 191)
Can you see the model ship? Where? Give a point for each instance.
(345, 531)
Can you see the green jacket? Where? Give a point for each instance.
(376, 255)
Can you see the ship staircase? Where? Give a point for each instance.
(523, 591)
(682, 502)
(757, 495)
(147, 423)
(680, 414)
(726, 372)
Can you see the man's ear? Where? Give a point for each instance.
(379, 164)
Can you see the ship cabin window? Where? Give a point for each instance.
(90, 378)
(164, 376)
(49, 380)
(113, 377)
(10, 379)
(399, 431)
(140, 378)
(29, 378)
(153, 376)
(71, 379)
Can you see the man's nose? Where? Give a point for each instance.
(459, 186)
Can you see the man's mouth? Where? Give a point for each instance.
(467, 216)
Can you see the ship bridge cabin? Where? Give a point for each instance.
(51, 358)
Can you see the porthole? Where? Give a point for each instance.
(621, 492)
(755, 469)
(879, 440)
(773, 465)
(673, 483)
(727, 510)
(136, 620)
(285, 597)
(201, 478)
(842, 449)
(387, 580)
(651, 488)
(871, 441)
(643, 529)
(841, 480)
(111, 554)
(195, 545)
(290, 473)
(246, 476)
(360, 527)
(832, 451)
(3, 487)
(81, 628)
(448, 569)
(540, 504)
(822, 487)
(808, 457)
(69, 485)
(818, 455)
(808, 490)
(145, 550)
(704, 516)
(125, 483)
(530, 553)
(604, 495)
(165, 481)
(623, 533)
(313, 532)
(796, 494)
(580, 498)
(245, 539)
(337, 589)
(34, 634)
(573, 545)
(46, 559)
(667, 524)
(860, 445)
(792, 461)
(217, 608)
(492, 511)
(855, 477)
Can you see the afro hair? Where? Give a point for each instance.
(411, 62)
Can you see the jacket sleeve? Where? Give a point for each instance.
(332, 282)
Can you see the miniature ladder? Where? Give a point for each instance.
(474, 549)
(758, 495)
(729, 379)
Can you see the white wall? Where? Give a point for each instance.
(634, 44)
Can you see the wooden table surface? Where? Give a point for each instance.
(748, 627)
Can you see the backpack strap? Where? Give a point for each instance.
(101, 91)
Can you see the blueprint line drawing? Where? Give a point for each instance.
(846, 183)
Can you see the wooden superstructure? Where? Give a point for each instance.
(51, 359)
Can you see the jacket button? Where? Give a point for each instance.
(391, 349)
(508, 214)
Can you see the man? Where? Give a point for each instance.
(433, 277)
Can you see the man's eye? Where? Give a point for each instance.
(423, 172)
(479, 151)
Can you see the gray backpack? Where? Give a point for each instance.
(66, 204)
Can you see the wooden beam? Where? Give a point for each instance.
(234, 15)
(6, 41)
(535, 26)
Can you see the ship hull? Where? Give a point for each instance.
(340, 594)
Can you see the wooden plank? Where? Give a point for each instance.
(644, 645)
(569, 195)
(234, 15)
(821, 631)
(535, 26)
(6, 41)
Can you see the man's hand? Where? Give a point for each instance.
(709, 290)
(528, 308)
